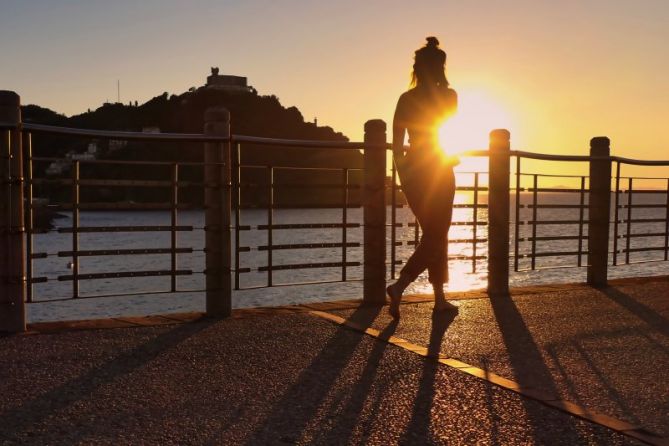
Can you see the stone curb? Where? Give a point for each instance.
(177, 318)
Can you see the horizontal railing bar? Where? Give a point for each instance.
(454, 241)
(451, 257)
(128, 162)
(644, 178)
(309, 246)
(303, 143)
(642, 191)
(308, 265)
(278, 206)
(293, 167)
(643, 206)
(649, 234)
(543, 268)
(646, 220)
(553, 189)
(309, 226)
(553, 222)
(468, 240)
(547, 175)
(39, 279)
(145, 183)
(636, 162)
(118, 205)
(552, 238)
(553, 254)
(138, 293)
(455, 206)
(301, 185)
(136, 136)
(650, 248)
(554, 206)
(470, 206)
(455, 223)
(39, 255)
(638, 262)
(458, 188)
(547, 157)
(119, 275)
(471, 188)
(463, 257)
(278, 285)
(119, 252)
(126, 229)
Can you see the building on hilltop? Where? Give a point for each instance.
(226, 82)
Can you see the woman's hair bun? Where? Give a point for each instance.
(432, 41)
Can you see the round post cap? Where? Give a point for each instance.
(375, 125)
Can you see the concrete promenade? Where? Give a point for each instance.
(565, 365)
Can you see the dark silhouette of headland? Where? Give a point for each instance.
(252, 114)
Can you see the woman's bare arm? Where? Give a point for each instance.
(399, 130)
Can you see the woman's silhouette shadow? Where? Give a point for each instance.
(418, 428)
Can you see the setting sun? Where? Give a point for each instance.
(478, 114)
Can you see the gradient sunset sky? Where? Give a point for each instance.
(555, 73)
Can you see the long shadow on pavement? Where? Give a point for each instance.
(21, 419)
(419, 425)
(300, 402)
(529, 369)
(359, 395)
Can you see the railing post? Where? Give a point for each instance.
(498, 212)
(374, 213)
(12, 244)
(599, 209)
(217, 203)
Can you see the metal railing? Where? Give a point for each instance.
(652, 225)
(499, 227)
(262, 179)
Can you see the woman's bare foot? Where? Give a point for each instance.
(443, 305)
(440, 302)
(395, 295)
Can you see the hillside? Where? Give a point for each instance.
(251, 114)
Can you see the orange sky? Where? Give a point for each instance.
(561, 72)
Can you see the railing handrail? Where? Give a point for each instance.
(305, 143)
(551, 157)
(115, 134)
(299, 143)
(636, 162)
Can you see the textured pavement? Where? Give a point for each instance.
(606, 350)
(293, 378)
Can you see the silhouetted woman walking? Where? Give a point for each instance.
(425, 171)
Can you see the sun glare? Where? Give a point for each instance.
(477, 115)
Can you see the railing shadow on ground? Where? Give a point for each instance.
(596, 366)
(646, 314)
(22, 419)
(527, 363)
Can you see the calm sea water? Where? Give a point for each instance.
(465, 275)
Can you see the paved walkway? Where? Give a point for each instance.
(293, 376)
